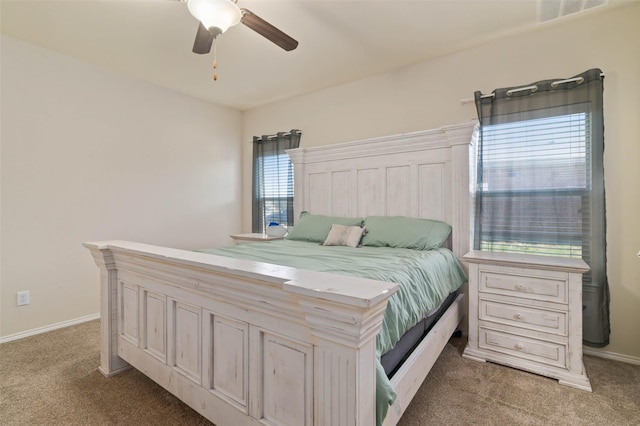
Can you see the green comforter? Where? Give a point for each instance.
(425, 279)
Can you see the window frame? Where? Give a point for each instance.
(536, 244)
(277, 179)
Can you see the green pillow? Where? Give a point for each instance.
(405, 232)
(315, 228)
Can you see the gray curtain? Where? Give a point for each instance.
(273, 179)
(540, 180)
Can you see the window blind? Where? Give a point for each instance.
(535, 180)
(276, 171)
(273, 180)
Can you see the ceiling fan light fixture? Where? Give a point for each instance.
(220, 14)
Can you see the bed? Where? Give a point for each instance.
(250, 342)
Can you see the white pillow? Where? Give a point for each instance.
(342, 235)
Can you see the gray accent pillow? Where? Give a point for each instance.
(342, 235)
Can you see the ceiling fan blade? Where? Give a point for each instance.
(267, 30)
(204, 40)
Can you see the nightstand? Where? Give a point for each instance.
(525, 311)
(252, 238)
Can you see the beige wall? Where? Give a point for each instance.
(87, 154)
(428, 95)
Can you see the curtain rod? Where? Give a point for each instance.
(289, 133)
(532, 88)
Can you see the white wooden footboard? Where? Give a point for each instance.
(242, 342)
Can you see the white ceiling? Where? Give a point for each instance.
(340, 41)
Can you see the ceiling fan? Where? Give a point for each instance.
(216, 16)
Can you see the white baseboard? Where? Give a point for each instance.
(611, 355)
(51, 327)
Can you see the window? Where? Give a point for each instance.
(273, 180)
(535, 181)
(540, 180)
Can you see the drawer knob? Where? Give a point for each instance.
(519, 346)
(519, 316)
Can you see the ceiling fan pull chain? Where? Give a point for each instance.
(215, 61)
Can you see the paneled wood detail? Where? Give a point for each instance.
(186, 343)
(421, 174)
(431, 183)
(129, 312)
(230, 358)
(319, 202)
(287, 382)
(415, 190)
(397, 189)
(155, 325)
(368, 192)
(341, 192)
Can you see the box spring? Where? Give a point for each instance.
(407, 343)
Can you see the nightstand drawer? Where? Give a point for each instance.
(526, 317)
(540, 351)
(525, 286)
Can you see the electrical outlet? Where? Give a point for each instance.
(23, 298)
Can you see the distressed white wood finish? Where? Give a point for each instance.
(287, 374)
(248, 335)
(525, 311)
(252, 238)
(110, 363)
(230, 360)
(185, 339)
(154, 313)
(248, 343)
(421, 174)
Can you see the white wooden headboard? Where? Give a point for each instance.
(421, 174)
